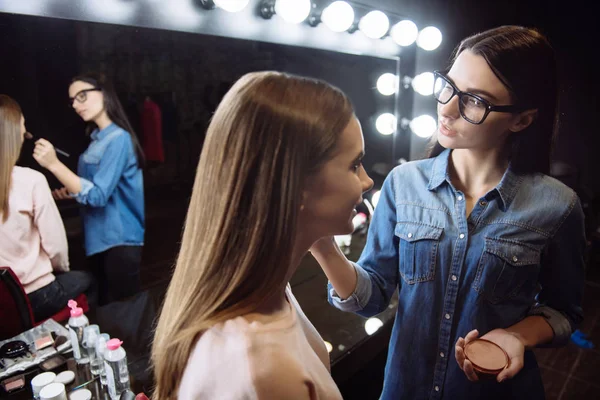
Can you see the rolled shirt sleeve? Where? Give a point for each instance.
(562, 277)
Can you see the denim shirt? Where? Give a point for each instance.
(519, 253)
(112, 191)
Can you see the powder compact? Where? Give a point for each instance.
(488, 358)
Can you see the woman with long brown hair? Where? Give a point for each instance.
(280, 168)
(33, 242)
(108, 184)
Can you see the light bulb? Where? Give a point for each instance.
(387, 84)
(423, 126)
(404, 33)
(232, 5)
(372, 325)
(375, 198)
(338, 16)
(423, 83)
(429, 38)
(293, 11)
(386, 124)
(374, 25)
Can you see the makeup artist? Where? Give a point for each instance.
(109, 185)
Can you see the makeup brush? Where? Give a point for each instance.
(29, 135)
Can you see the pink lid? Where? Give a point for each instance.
(75, 311)
(113, 344)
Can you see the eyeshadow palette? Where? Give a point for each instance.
(32, 347)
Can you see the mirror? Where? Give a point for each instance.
(185, 75)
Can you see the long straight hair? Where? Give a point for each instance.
(525, 63)
(269, 133)
(10, 147)
(113, 108)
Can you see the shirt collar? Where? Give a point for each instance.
(101, 134)
(506, 189)
(439, 170)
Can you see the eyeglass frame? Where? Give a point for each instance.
(489, 107)
(74, 98)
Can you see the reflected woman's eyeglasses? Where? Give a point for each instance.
(81, 96)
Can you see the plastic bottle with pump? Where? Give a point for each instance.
(115, 365)
(77, 323)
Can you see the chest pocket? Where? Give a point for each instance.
(92, 158)
(95, 151)
(91, 164)
(504, 268)
(418, 251)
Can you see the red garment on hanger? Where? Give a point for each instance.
(152, 132)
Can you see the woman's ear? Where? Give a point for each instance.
(524, 119)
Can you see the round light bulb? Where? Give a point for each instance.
(386, 124)
(423, 84)
(232, 5)
(404, 33)
(387, 84)
(375, 198)
(374, 25)
(423, 126)
(429, 38)
(338, 16)
(328, 346)
(372, 325)
(293, 11)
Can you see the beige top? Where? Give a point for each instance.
(33, 241)
(284, 358)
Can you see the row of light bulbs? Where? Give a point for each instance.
(339, 16)
(423, 126)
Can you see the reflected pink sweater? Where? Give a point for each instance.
(33, 241)
(243, 359)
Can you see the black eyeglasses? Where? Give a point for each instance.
(472, 107)
(81, 96)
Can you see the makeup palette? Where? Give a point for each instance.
(13, 384)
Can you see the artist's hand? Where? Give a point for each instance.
(61, 194)
(45, 154)
(508, 341)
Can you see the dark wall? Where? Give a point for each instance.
(192, 70)
(37, 65)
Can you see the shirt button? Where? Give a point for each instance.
(409, 235)
(437, 388)
(459, 198)
(483, 203)
(454, 277)
(447, 316)
(442, 355)
(462, 236)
